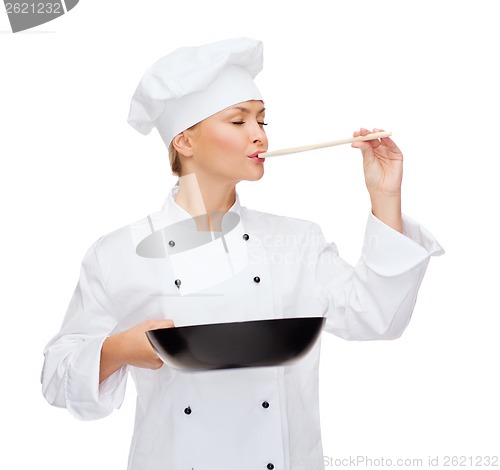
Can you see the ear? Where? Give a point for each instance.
(183, 143)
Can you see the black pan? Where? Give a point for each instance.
(256, 343)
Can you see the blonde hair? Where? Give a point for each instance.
(175, 161)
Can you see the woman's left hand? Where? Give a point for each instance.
(382, 164)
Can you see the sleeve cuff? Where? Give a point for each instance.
(86, 399)
(390, 253)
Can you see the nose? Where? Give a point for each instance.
(258, 135)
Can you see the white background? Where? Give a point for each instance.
(72, 170)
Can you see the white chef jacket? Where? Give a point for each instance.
(249, 418)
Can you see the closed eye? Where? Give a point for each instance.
(239, 123)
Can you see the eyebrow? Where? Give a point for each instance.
(246, 110)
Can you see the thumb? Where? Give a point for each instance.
(157, 324)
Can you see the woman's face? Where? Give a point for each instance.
(225, 145)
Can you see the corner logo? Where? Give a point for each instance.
(28, 14)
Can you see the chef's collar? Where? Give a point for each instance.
(175, 213)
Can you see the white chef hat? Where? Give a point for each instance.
(193, 83)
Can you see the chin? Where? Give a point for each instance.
(255, 177)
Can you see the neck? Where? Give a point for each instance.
(206, 201)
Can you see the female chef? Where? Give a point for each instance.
(208, 110)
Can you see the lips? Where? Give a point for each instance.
(255, 157)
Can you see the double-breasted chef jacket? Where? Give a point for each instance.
(248, 418)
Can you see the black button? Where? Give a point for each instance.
(187, 410)
(245, 237)
(177, 282)
(265, 404)
(256, 279)
(171, 243)
(270, 466)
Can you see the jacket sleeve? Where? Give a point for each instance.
(70, 375)
(375, 298)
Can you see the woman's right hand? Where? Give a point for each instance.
(138, 351)
(131, 347)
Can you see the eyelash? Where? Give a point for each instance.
(238, 123)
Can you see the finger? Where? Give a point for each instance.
(363, 145)
(385, 140)
(158, 365)
(362, 132)
(375, 143)
(381, 140)
(388, 142)
(157, 324)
